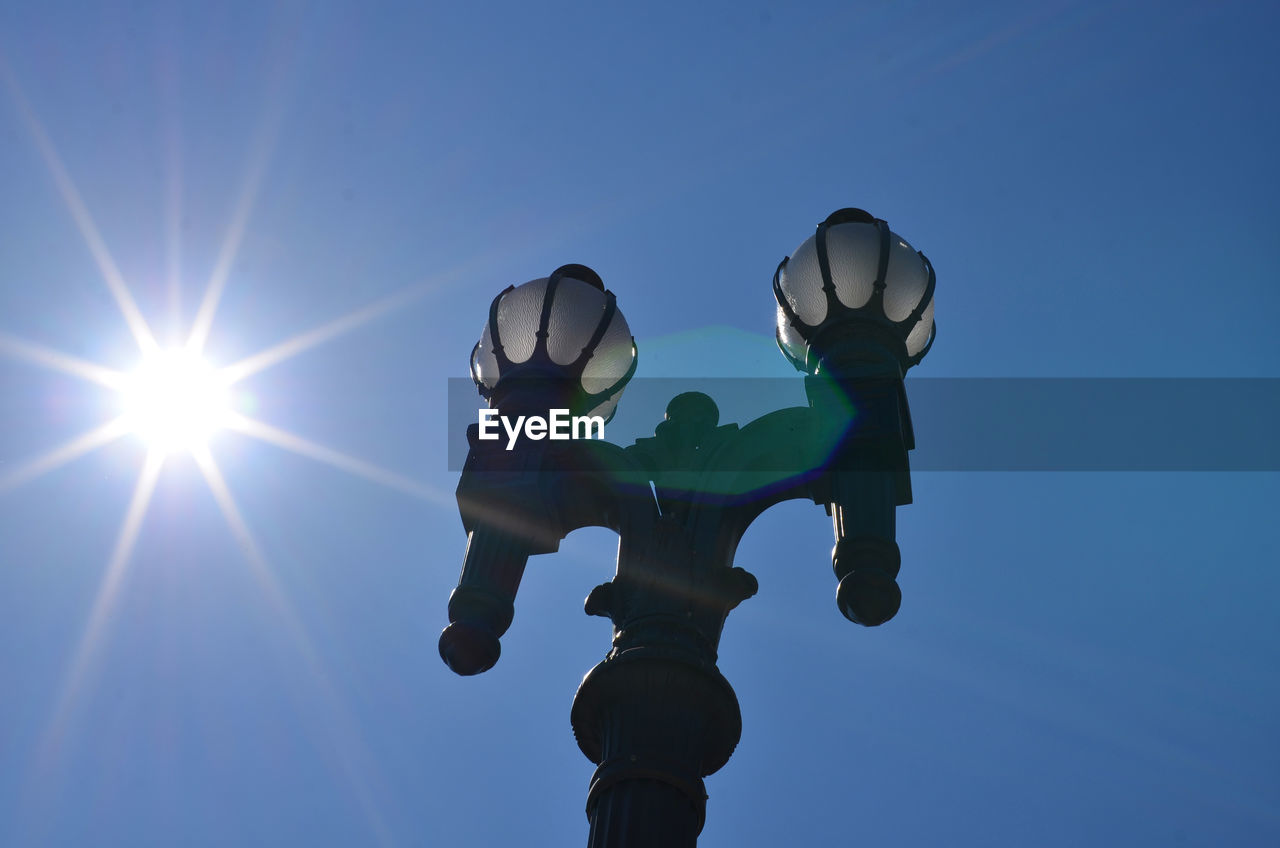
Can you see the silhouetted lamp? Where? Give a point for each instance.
(854, 313)
(854, 292)
(559, 342)
(562, 333)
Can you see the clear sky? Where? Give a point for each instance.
(1081, 658)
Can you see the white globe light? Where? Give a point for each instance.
(854, 276)
(565, 326)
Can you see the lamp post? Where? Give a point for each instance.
(854, 312)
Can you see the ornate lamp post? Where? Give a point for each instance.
(855, 311)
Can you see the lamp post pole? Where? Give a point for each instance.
(656, 715)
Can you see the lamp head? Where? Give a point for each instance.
(854, 295)
(558, 341)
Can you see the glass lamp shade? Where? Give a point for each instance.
(855, 281)
(563, 333)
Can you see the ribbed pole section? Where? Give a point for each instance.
(656, 719)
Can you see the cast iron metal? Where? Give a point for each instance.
(656, 715)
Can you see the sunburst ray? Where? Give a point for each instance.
(252, 552)
(262, 146)
(231, 242)
(173, 214)
(103, 605)
(329, 456)
(80, 213)
(58, 361)
(325, 332)
(64, 453)
(355, 760)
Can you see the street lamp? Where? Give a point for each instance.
(561, 335)
(855, 311)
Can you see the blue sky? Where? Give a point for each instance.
(1080, 658)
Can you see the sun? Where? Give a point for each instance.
(175, 401)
